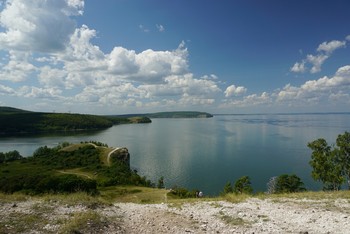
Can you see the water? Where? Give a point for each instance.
(206, 153)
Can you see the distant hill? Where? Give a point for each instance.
(173, 114)
(6, 109)
(16, 121)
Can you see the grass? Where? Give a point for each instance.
(83, 222)
(233, 220)
(104, 155)
(76, 199)
(12, 198)
(310, 195)
(133, 194)
(78, 172)
(236, 198)
(20, 222)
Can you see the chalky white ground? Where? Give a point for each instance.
(251, 216)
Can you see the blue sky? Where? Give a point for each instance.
(123, 56)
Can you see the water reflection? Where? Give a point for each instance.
(206, 153)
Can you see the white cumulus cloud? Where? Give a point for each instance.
(325, 49)
(298, 67)
(329, 47)
(38, 25)
(232, 90)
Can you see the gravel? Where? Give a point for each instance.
(251, 216)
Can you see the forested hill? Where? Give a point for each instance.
(173, 114)
(15, 121)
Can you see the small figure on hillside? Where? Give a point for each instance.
(200, 194)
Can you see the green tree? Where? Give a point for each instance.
(243, 185)
(160, 183)
(289, 184)
(228, 188)
(343, 154)
(325, 164)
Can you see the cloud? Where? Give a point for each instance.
(263, 99)
(232, 90)
(18, 67)
(298, 67)
(143, 28)
(329, 47)
(348, 38)
(38, 25)
(160, 27)
(320, 89)
(325, 49)
(4, 90)
(325, 91)
(40, 93)
(316, 61)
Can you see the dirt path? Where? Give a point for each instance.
(109, 156)
(76, 173)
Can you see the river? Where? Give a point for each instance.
(206, 153)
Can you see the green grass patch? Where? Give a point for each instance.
(79, 172)
(133, 194)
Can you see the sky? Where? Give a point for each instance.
(128, 56)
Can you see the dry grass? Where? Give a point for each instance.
(236, 198)
(233, 220)
(310, 195)
(134, 194)
(84, 222)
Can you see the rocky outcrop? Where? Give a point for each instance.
(122, 155)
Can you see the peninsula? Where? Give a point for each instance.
(15, 121)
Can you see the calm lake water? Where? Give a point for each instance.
(206, 153)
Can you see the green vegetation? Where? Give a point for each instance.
(242, 186)
(68, 169)
(178, 192)
(331, 165)
(160, 184)
(15, 121)
(285, 184)
(173, 114)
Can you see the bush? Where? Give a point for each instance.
(243, 185)
(183, 193)
(285, 184)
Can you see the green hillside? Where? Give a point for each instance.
(16, 121)
(67, 168)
